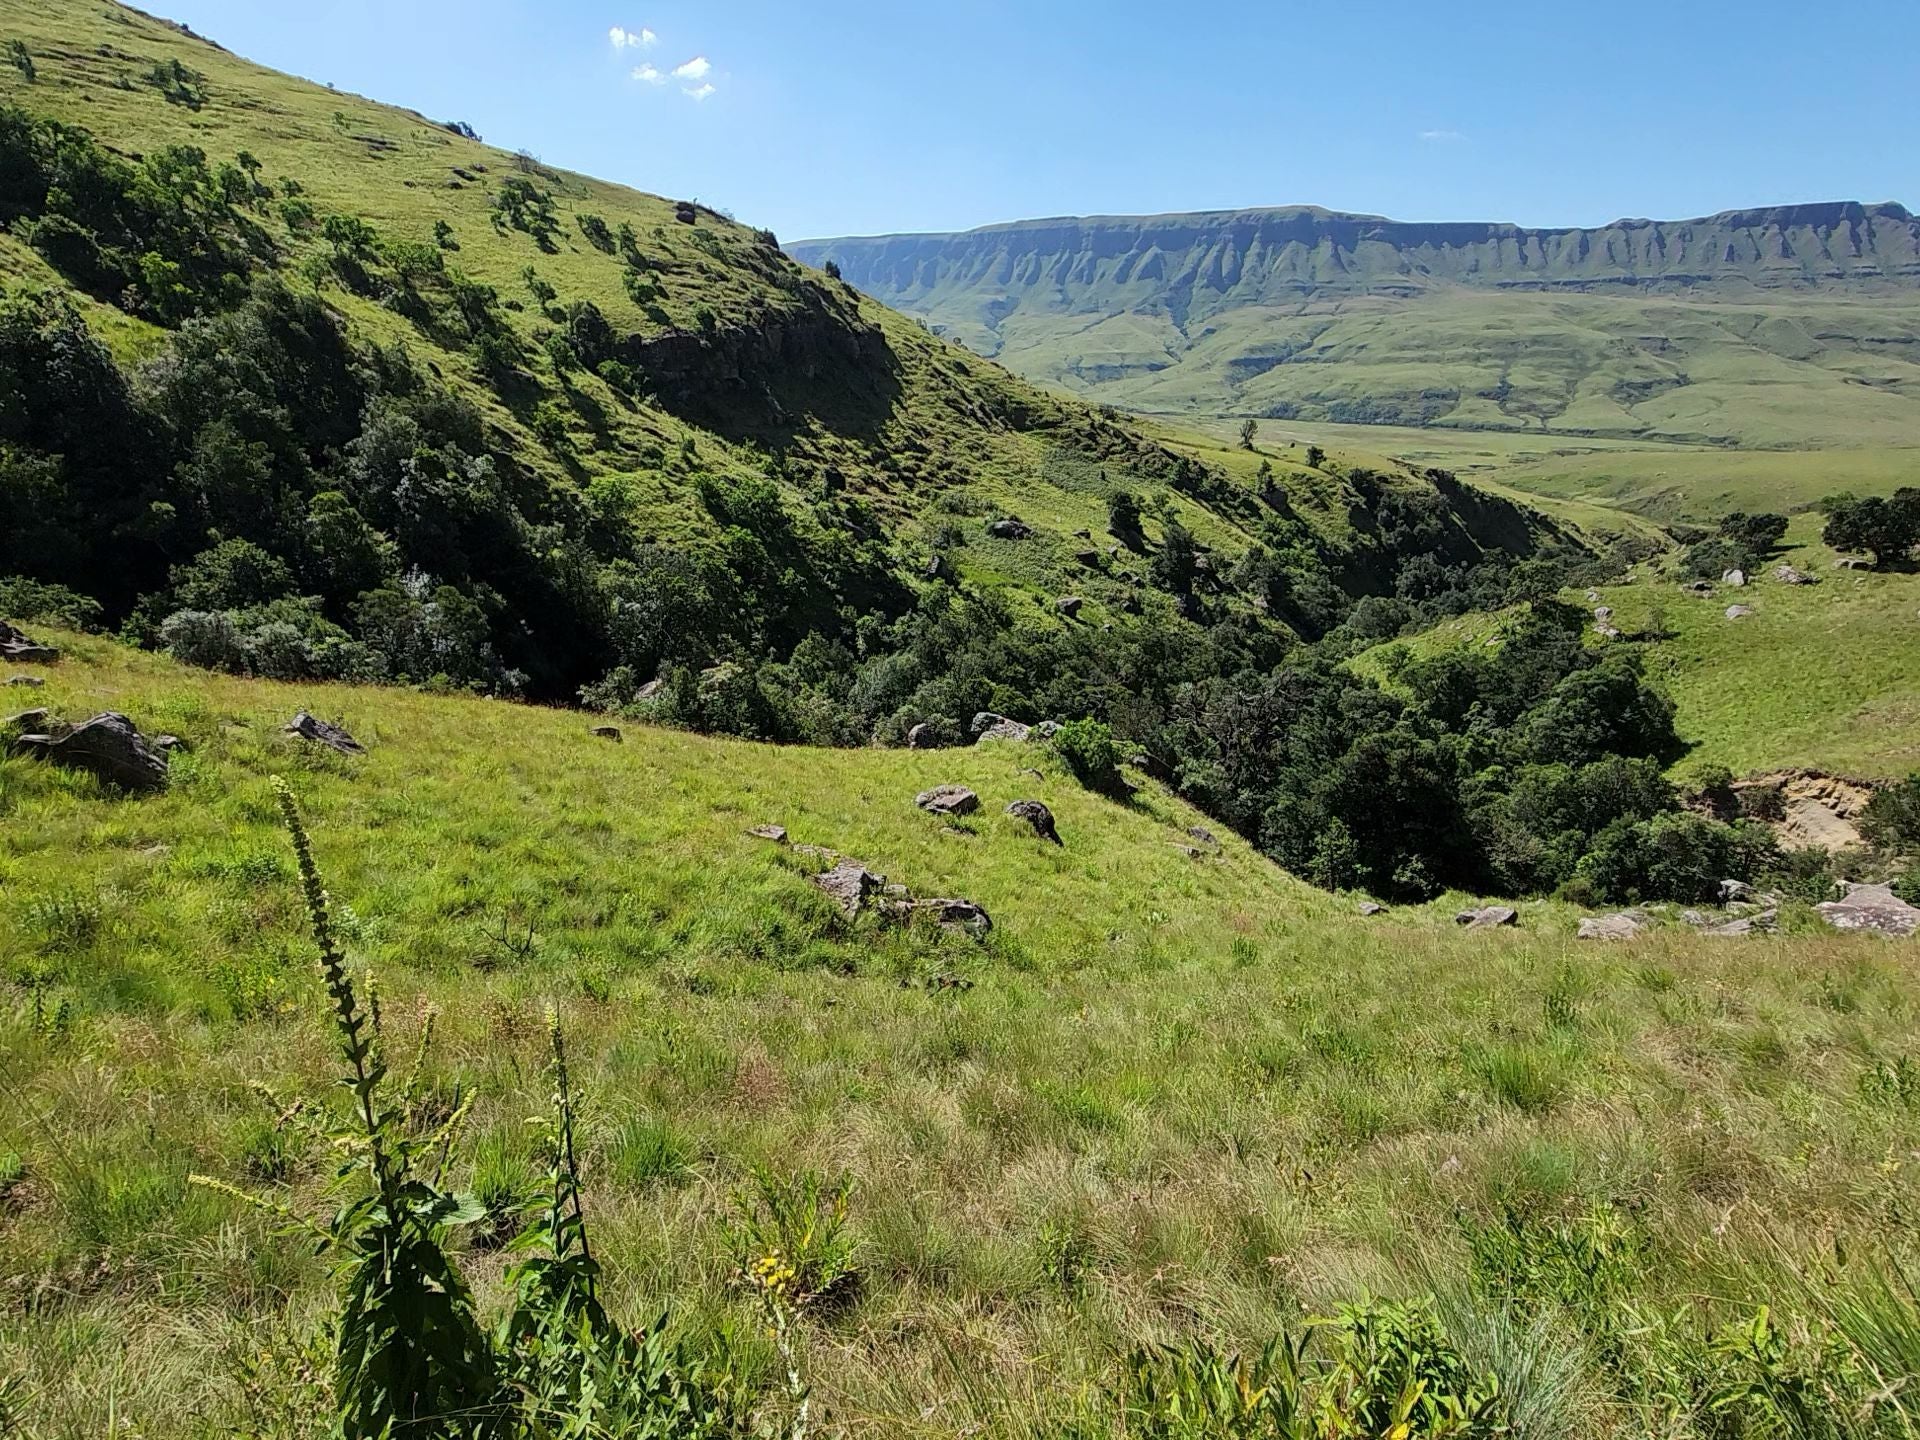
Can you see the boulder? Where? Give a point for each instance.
(1372, 907)
(776, 833)
(28, 722)
(851, 885)
(1873, 908)
(1699, 587)
(920, 737)
(1746, 925)
(1733, 891)
(1038, 816)
(1488, 917)
(1738, 612)
(110, 746)
(31, 682)
(1854, 562)
(1069, 605)
(1045, 730)
(961, 916)
(168, 744)
(607, 732)
(22, 647)
(1612, 927)
(1089, 558)
(321, 733)
(948, 800)
(650, 691)
(1787, 575)
(1083, 534)
(1735, 578)
(1607, 632)
(1603, 613)
(1009, 529)
(1203, 835)
(989, 726)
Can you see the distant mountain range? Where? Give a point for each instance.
(1275, 311)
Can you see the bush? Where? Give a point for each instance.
(207, 638)
(1891, 819)
(1673, 856)
(1090, 752)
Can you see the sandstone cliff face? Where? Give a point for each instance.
(1261, 256)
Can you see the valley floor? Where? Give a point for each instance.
(1175, 1091)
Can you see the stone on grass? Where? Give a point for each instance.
(31, 682)
(920, 737)
(28, 721)
(1488, 917)
(1009, 529)
(1038, 816)
(948, 800)
(1372, 907)
(1612, 927)
(307, 727)
(607, 732)
(1732, 891)
(850, 884)
(1203, 835)
(1735, 578)
(1874, 909)
(1069, 605)
(1759, 924)
(1787, 575)
(110, 746)
(20, 646)
(989, 726)
(1738, 612)
(776, 833)
(960, 916)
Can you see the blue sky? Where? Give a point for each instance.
(861, 116)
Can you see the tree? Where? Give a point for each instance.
(1316, 457)
(832, 267)
(1249, 432)
(1885, 528)
(22, 60)
(1123, 514)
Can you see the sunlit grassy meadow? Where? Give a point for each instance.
(1174, 1095)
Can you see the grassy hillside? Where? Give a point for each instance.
(1178, 1093)
(1821, 676)
(1755, 329)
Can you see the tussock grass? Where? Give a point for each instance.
(1182, 1096)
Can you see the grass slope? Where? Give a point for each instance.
(1181, 1093)
(1824, 676)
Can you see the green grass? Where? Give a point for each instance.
(1821, 676)
(1178, 1096)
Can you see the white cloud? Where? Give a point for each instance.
(624, 39)
(697, 68)
(650, 75)
(1441, 137)
(698, 92)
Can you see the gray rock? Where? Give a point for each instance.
(1607, 632)
(1603, 613)
(1612, 927)
(948, 800)
(1045, 730)
(28, 721)
(920, 737)
(1036, 815)
(776, 833)
(1732, 891)
(1787, 575)
(1695, 918)
(961, 916)
(1203, 835)
(1738, 612)
(1759, 924)
(110, 746)
(1699, 587)
(989, 726)
(1854, 562)
(1873, 908)
(650, 691)
(607, 732)
(1735, 578)
(1488, 917)
(19, 646)
(170, 744)
(1009, 529)
(1372, 907)
(1069, 605)
(851, 885)
(321, 733)
(31, 682)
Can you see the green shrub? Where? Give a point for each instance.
(1090, 752)
(1891, 819)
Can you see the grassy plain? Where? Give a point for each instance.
(1179, 1093)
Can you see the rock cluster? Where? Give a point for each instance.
(989, 726)
(948, 800)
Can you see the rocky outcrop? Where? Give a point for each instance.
(109, 746)
(23, 649)
(988, 725)
(1488, 917)
(1623, 926)
(1873, 909)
